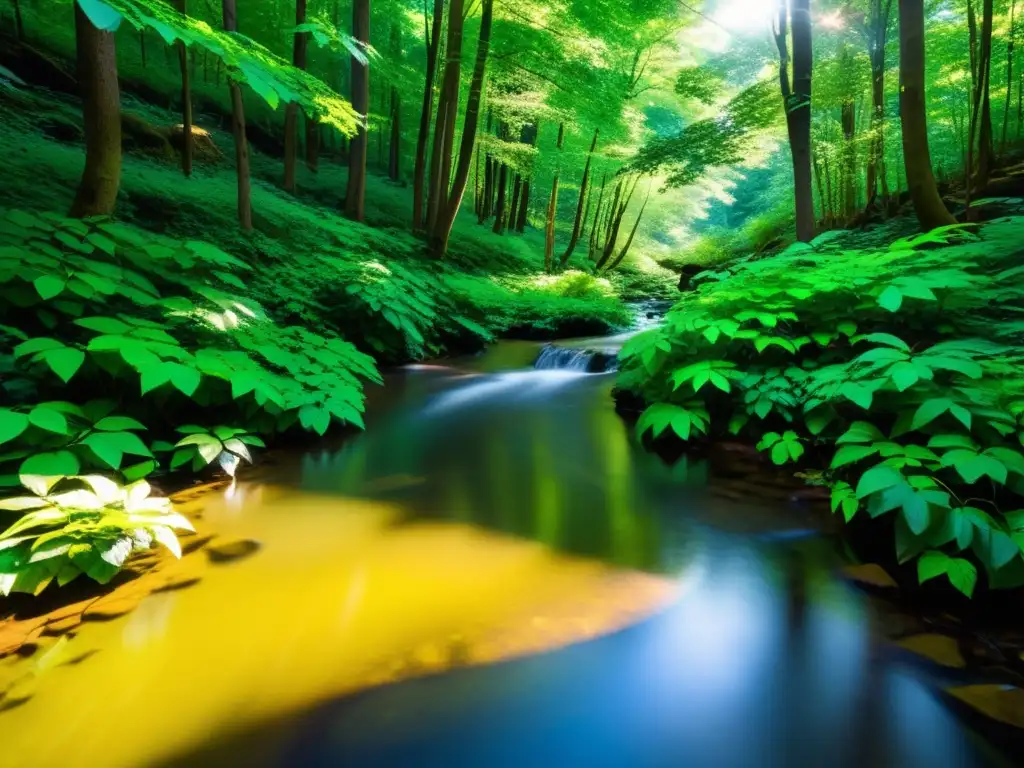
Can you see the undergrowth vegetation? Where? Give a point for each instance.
(891, 374)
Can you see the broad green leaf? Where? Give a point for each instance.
(49, 286)
(49, 419)
(50, 464)
(12, 424)
(878, 478)
(64, 362)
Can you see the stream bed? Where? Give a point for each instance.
(494, 574)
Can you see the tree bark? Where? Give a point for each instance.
(96, 57)
(513, 215)
(524, 207)
(877, 33)
(1009, 76)
(849, 157)
(238, 130)
(447, 110)
(797, 101)
(549, 227)
(985, 149)
(355, 195)
(312, 144)
(186, 100)
(577, 224)
(300, 41)
(499, 206)
(916, 156)
(469, 130)
(632, 234)
(420, 167)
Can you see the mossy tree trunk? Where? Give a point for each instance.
(916, 156)
(355, 195)
(447, 110)
(101, 112)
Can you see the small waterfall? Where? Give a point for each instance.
(569, 359)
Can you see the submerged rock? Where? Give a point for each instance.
(229, 552)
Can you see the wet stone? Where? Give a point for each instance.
(232, 551)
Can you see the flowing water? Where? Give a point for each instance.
(493, 575)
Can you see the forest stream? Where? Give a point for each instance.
(494, 574)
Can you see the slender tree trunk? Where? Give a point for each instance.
(419, 170)
(513, 215)
(594, 228)
(186, 99)
(524, 207)
(632, 234)
(797, 101)
(238, 130)
(916, 156)
(816, 164)
(578, 221)
(1009, 76)
(485, 203)
(499, 206)
(291, 114)
(447, 110)
(355, 196)
(549, 229)
(96, 57)
(985, 148)
(469, 131)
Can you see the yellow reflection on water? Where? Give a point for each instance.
(338, 597)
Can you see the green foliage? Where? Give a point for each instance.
(75, 525)
(901, 363)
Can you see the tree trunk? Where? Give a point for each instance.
(549, 228)
(238, 130)
(469, 130)
(499, 206)
(517, 187)
(916, 157)
(985, 149)
(488, 194)
(96, 58)
(355, 195)
(447, 110)
(186, 100)
(300, 42)
(1009, 76)
(420, 168)
(632, 234)
(877, 33)
(797, 101)
(578, 221)
(524, 207)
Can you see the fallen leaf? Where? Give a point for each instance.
(938, 648)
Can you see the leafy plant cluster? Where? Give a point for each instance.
(892, 374)
(148, 332)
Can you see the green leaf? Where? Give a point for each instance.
(117, 424)
(62, 463)
(109, 447)
(12, 424)
(101, 15)
(64, 362)
(48, 286)
(108, 325)
(878, 478)
(48, 419)
(930, 410)
(857, 394)
(961, 573)
(36, 345)
(208, 446)
(848, 454)
(891, 299)
(861, 432)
